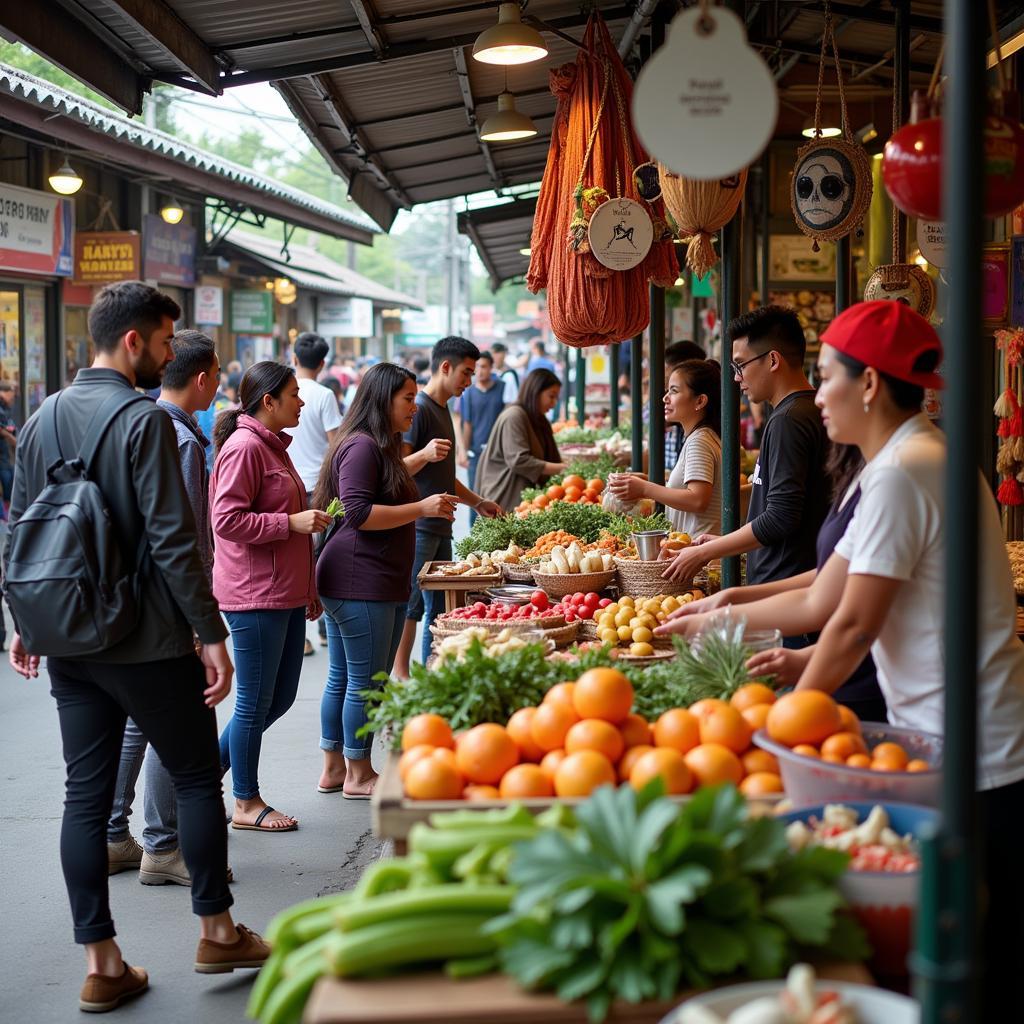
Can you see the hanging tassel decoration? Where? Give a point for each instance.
(1004, 404)
(1010, 492)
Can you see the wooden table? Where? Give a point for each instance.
(456, 588)
(431, 998)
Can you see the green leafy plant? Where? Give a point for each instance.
(496, 534)
(335, 507)
(646, 895)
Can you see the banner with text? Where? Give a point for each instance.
(343, 317)
(169, 252)
(105, 256)
(36, 229)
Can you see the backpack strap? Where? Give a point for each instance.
(102, 420)
(52, 455)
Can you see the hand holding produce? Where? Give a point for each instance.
(687, 563)
(312, 520)
(335, 508)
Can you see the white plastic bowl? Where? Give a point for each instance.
(873, 1005)
(809, 781)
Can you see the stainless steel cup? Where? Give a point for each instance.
(648, 544)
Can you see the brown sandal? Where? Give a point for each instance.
(258, 826)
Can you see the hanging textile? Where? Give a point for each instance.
(592, 158)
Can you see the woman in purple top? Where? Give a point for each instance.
(364, 571)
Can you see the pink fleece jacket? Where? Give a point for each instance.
(258, 562)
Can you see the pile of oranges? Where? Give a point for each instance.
(584, 735)
(573, 489)
(812, 724)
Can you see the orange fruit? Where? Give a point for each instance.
(581, 773)
(807, 750)
(595, 734)
(677, 728)
(849, 721)
(431, 729)
(702, 707)
(727, 726)
(550, 762)
(519, 729)
(833, 758)
(603, 693)
(891, 752)
(843, 745)
(555, 492)
(750, 694)
(551, 723)
(630, 758)
(412, 755)
(573, 493)
(886, 764)
(486, 753)
(560, 693)
(757, 760)
(858, 761)
(666, 764)
(918, 765)
(474, 792)
(635, 731)
(523, 781)
(711, 763)
(756, 715)
(433, 778)
(803, 716)
(541, 501)
(574, 480)
(761, 784)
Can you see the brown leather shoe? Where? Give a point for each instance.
(248, 950)
(101, 993)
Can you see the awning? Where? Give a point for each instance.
(500, 234)
(311, 269)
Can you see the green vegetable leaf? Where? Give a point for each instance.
(717, 948)
(648, 831)
(581, 979)
(532, 961)
(764, 842)
(732, 900)
(613, 935)
(335, 508)
(609, 819)
(572, 931)
(767, 948)
(629, 977)
(807, 917)
(847, 940)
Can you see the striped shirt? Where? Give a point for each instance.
(700, 460)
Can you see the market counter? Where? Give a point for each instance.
(432, 998)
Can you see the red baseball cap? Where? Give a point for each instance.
(889, 336)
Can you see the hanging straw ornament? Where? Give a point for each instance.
(831, 186)
(700, 209)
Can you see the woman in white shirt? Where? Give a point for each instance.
(693, 497)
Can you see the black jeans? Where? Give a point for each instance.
(165, 699)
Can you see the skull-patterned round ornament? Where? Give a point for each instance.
(902, 282)
(831, 188)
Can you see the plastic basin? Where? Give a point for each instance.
(873, 1005)
(809, 781)
(885, 902)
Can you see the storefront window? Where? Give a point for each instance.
(35, 347)
(78, 347)
(10, 348)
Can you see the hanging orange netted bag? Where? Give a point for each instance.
(593, 154)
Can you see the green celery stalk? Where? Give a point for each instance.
(385, 876)
(514, 814)
(288, 999)
(439, 899)
(281, 926)
(266, 981)
(443, 847)
(471, 966)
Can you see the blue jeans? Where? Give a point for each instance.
(160, 805)
(471, 482)
(362, 638)
(430, 547)
(267, 644)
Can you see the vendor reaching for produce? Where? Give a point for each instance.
(521, 451)
(428, 451)
(693, 497)
(789, 496)
(883, 587)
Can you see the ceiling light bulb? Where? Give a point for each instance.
(510, 41)
(285, 291)
(508, 124)
(524, 252)
(829, 119)
(172, 212)
(67, 181)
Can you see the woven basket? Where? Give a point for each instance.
(517, 573)
(560, 584)
(587, 630)
(449, 627)
(644, 579)
(565, 635)
(652, 659)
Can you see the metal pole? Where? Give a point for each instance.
(766, 232)
(636, 402)
(695, 310)
(901, 100)
(656, 374)
(842, 274)
(566, 377)
(946, 961)
(613, 381)
(581, 385)
(730, 302)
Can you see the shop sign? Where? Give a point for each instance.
(210, 305)
(36, 229)
(252, 312)
(344, 317)
(931, 240)
(169, 252)
(482, 321)
(105, 256)
(620, 234)
(700, 287)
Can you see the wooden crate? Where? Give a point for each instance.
(456, 588)
(432, 998)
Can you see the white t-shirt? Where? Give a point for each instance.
(309, 445)
(897, 532)
(700, 460)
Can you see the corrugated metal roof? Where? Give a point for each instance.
(499, 233)
(21, 85)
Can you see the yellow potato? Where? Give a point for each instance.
(606, 621)
(641, 650)
(642, 633)
(611, 609)
(669, 604)
(662, 616)
(686, 599)
(608, 636)
(648, 620)
(623, 617)
(652, 605)
(635, 621)
(626, 601)
(625, 633)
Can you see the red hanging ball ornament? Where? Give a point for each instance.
(912, 165)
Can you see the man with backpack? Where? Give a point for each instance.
(103, 575)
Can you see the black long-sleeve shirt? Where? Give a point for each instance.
(790, 493)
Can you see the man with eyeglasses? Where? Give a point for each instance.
(790, 490)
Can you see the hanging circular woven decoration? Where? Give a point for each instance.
(830, 191)
(902, 282)
(648, 186)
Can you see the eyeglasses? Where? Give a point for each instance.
(738, 368)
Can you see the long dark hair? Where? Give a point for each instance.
(843, 464)
(529, 399)
(370, 414)
(704, 377)
(260, 380)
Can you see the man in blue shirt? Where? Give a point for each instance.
(479, 407)
(539, 359)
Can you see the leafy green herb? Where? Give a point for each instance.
(335, 508)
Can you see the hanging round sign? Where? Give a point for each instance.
(620, 234)
(931, 240)
(705, 104)
(831, 188)
(902, 282)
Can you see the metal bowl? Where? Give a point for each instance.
(514, 593)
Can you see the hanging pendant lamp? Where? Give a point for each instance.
(507, 124)
(510, 41)
(67, 181)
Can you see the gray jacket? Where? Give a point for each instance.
(138, 471)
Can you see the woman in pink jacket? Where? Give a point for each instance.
(262, 573)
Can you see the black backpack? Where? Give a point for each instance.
(70, 589)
